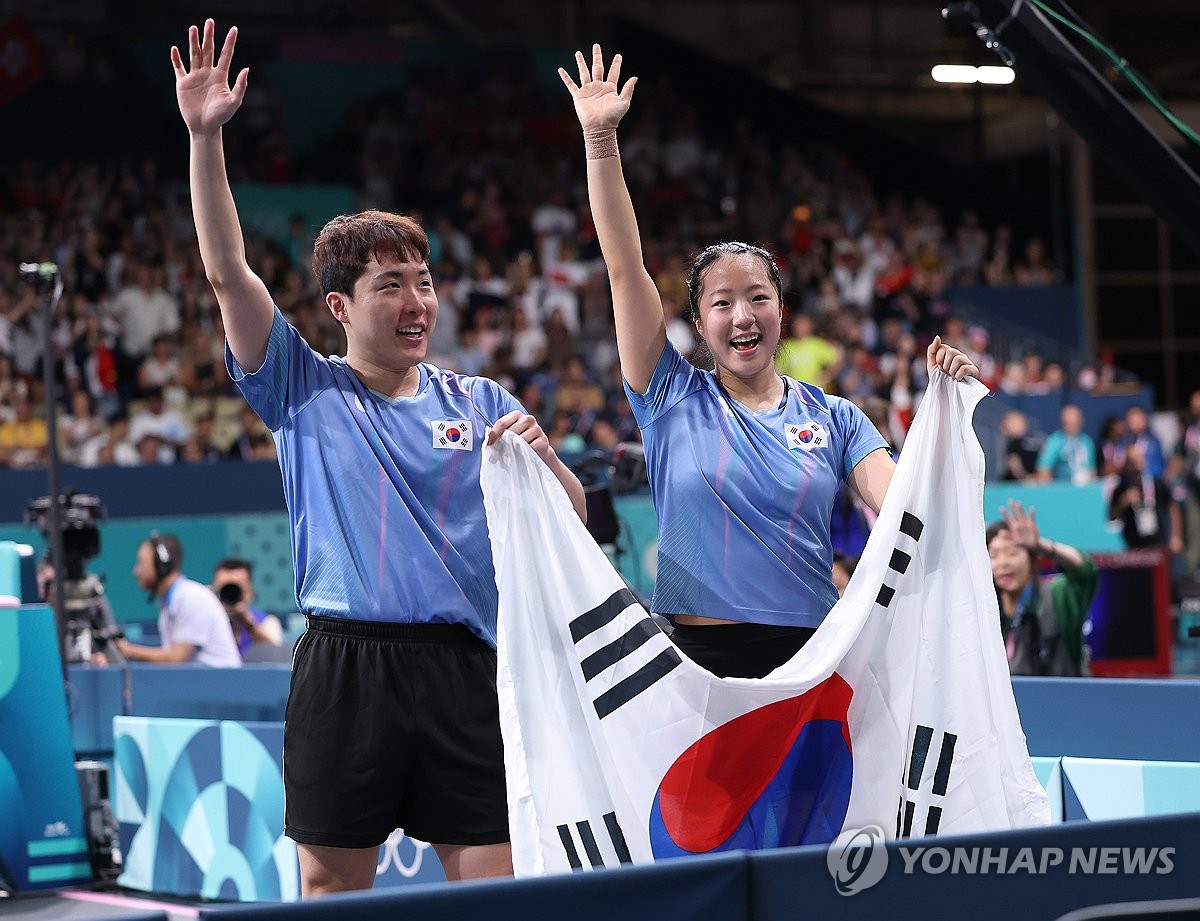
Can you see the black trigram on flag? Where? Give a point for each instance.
(921, 742)
(910, 526)
(581, 838)
(611, 646)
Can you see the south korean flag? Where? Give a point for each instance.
(806, 435)
(452, 434)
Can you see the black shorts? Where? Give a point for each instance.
(740, 650)
(393, 726)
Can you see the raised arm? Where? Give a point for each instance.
(641, 329)
(1022, 525)
(206, 102)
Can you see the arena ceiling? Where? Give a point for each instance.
(867, 58)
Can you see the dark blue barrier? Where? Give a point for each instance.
(1044, 410)
(1149, 720)
(1032, 885)
(1144, 720)
(697, 887)
(250, 694)
(1034, 873)
(1051, 312)
(227, 488)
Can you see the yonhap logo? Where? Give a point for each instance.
(858, 859)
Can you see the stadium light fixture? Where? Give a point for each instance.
(968, 73)
(1000, 76)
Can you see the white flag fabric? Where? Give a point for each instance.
(898, 713)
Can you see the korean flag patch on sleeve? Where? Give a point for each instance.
(806, 435)
(452, 434)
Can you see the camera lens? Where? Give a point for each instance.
(230, 593)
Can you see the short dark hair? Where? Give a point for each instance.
(347, 243)
(711, 254)
(232, 562)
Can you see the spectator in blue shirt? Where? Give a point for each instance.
(1068, 454)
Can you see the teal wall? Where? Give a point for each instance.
(1071, 514)
(262, 538)
(269, 208)
(1075, 515)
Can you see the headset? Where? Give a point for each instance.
(164, 562)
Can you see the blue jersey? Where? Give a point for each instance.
(743, 498)
(386, 510)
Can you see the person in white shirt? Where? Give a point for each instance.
(111, 447)
(157, 419)
(145, 310)
(191, 619)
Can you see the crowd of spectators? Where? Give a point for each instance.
(497, 179)
(494, 171)
(1153, 492)
(496, 176)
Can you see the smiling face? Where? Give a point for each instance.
(740, 315)
(390, 315)
(1012, 566)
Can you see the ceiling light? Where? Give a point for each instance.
(954, 73)
(998, 75)
(967, 73)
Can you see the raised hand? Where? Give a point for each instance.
(206, 100)
(597, 102)
(1022, 526)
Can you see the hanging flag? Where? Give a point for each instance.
(898, 713)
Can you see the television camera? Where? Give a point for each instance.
(88, 624)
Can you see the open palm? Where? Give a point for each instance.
(206, 99)
(597, 102)
(1022, 525)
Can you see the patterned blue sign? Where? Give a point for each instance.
(200, 804)
(43, 842)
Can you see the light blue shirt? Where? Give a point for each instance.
(383, 494)
(743, 498)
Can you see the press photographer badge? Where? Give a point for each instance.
(806, 435)
(452, 434)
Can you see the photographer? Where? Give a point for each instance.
(234, 584)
